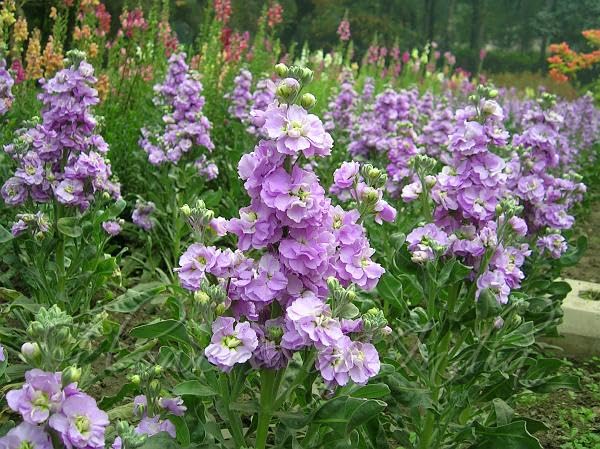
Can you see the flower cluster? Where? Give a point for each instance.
(343, 30)
(340, 113)
(46, 404)
(62, 158)
(241, 96)
(183, 125)
(6, 84)
(473, 217)
(308, 249)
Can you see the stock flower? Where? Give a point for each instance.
(141, 215)
(112, 227)
(174, 405)
(425, 241)
(40, 395)
(153, 425)
(80, 423)
(496, 283)
(554, 244)
(6, 84)
(295, 130)
(347, 360)
(26, 436)
(230, 345)
(311, 319)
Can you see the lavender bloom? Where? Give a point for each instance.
(152, 426)
(311, 319)
(424, 242)
(240, 97)
(295, 130)
(2, 354)
(26, 435)
(63, 157)
(174, 405)
(183, 123)
(40, 395)
(80, 423)
(6, 84)
(230, 345)
(554, 244)
(141, 215)
(112, 228)
(496, 283)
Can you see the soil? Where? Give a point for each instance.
(572, 417)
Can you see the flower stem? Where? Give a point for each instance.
(268, 387)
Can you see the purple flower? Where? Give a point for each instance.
(14, 191)
(141, 215)
(496, 283)
(427, 241)
(174, 405)
(346, 360)
(311, 319)
(295, 130)
(554, 244)
(230, 345)
(194, 263)
(26, 436)
(6, 84)
(112, 227)
(80, 423)
(345, 176)
(140, 405)
(2, 354)
(40, 395)
(153, 425)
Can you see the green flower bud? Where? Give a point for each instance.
(30, 350)
(493, 93)
(135, 379)
(220, 309)
(281, 70)
(158, 370)
(186, 210)
(201, 297)
(308, 100)
(307, 75)
(155, 387)
(70, 375)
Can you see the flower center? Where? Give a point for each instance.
(41, 400)
(82, 423)
(302, 194)
(337, 222)
(30, 170)
(69, 189)
(26, 445)
(231, 342)
(364, 262)
(202, 260)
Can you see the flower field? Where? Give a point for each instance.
(234, 244)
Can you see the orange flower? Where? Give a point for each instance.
(33, 57)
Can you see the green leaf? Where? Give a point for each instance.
(135, 297)
(69, 226)
(182, 431)
(371, 391)
(5, 235)
(521, 337)
(487, 305)
(349, 311)
(390, 290)
(511, 436)
(504, 413)
(165, 329)
(559, 289)
(161, 440)
(116, 208)
(193, 388)
(343, 414)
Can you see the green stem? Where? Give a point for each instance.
(235, 422)
(268, 392)
(60, 255)
(305, 371)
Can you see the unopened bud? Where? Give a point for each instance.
(308, 100)
(30, 350)
(155, 387)
(70, 375)
(220, 309)
(430, 181)
(498, 322)
(288, 88)
(157, 370)
(186, 210)
(135, 379)
(201, 297)
(307, 75)
(281, 70)
(493, 93)
(105, 195)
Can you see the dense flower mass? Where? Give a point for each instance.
(62, 158)
(184, 126)
(65, 409)
(6, 84)
(306, 242)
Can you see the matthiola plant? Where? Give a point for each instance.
(459, 287)
(63, 190)
(183, 128)
(287, 293)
